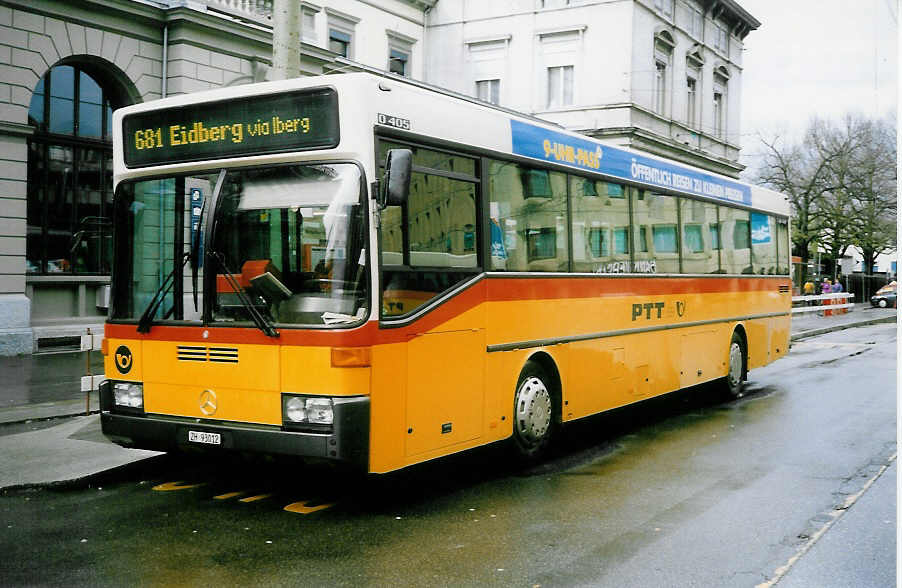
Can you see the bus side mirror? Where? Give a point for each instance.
(396, 181)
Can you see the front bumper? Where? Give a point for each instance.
(347, 442)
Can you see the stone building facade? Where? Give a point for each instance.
(663, 76)
(66, 64)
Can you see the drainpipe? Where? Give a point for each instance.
(165, 60)
(425, 40)
(163, 90)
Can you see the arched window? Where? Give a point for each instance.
(70, 171)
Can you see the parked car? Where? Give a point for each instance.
(885, 296)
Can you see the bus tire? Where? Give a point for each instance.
(733, 385)
(535, 412)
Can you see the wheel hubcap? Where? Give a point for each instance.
(533, 410)
(735, 374)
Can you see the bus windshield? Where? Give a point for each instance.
(288, 244)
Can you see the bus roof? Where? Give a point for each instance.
(395, 105)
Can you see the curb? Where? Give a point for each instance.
(81, 481)
(41, 419)
(821, 331)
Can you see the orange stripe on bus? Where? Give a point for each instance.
(489, 289)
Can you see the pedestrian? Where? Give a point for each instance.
(808, 290)
(826, 287)
(837, 287)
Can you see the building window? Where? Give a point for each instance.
(696, 22)
(70, 174)
(720, 102)
(721, 38)
(398, 62)
(308, 23)
(665, 6)
(560, 86)
(489, 91)
(341, 32)
(660, 86)
(400, 48)
(664, 44)
(718, 113)
(691, 101)
(340, 42)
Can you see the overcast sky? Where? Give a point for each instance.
(816, 57)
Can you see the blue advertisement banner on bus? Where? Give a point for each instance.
(760, 228)
(547, 145)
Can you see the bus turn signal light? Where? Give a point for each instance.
(350, 357)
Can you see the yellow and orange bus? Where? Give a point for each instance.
(367, 270)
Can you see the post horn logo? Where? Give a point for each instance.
(123, 359)
(681, 307)
(207, 402)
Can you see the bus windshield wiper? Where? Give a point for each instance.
(261, 321)
(146, 319)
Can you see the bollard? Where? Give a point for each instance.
(90, 373)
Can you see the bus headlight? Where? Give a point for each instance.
(319, 411)
(294, 410)
(128, 394)
(314, 410)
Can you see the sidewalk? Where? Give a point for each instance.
(40, 387)
(809, 324)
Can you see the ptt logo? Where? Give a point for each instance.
(648, 309)
(123, 359)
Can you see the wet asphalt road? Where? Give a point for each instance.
(681, 491)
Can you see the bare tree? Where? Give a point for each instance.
(840, 181)
(842, 143)
(801, 172)
(871, 183)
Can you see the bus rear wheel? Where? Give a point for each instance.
(733, 382)
(535, 413)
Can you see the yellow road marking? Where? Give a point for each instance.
(302, 508)
(170, 486)
(255, 498)
(228, 495)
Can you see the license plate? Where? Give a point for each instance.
(202, 437)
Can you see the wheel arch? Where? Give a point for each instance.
(549, 366)
(739, 329)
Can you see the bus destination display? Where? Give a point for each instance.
(255, 125)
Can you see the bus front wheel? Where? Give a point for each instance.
(733, 383)
(535, 421)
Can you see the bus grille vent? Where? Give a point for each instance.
(215, 354)
(784, 289)
(224, 354)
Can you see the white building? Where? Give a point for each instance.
(663, 76)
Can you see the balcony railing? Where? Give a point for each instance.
(256, 11)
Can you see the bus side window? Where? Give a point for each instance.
(528, 209)
(658, 213)
(701, 245)
(430, 244)
(736, 255)
(600, 226)
(764, 243)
